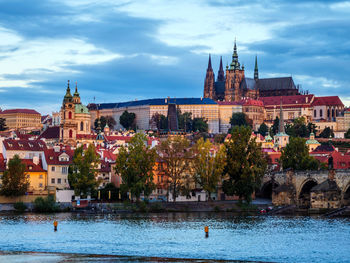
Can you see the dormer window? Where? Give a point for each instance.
(51, 157)
(30, 167)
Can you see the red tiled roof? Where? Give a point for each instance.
(32, 167)
(328, 101)
(295, 100)
(27, 111)
(251, 102)
(86, 136)
(105, 167)
(51, 133)
(24, 145)
(24, 136)
(52, 157)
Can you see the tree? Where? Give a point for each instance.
(263, 129)
(296, 156)
(297, 128)
(327, 133)
(185, 121)
(127, 120)
(176, 154)
(3, 126)
(159, 121)
(208, 168)
(105, 120)
(200, 124)
(245, 164)
(82, 172)
(14, 181)
(311, 128)
(135, 165)
(239, 119)
(275, 126)
(347, 134)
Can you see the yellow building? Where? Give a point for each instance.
(37, 176)
(311, 143)
(22, 118)
(226, 109)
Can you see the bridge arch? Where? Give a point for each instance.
(267, 188)
(304, 192)
(346, 195)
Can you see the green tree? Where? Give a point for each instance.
(82, 172)
(3, 126)
(105, 120)
(208, 168)
(159, 121)
(327, 133)
(297, 128)
(127, 120)
(135, 165)
(239, 119)
(176, 154)
(296, 156)
(311, 128)
(275, 126)
(245, 164)
(185, 121)
(263, 129)
(200, 124)
(14, 181)
(347, 134)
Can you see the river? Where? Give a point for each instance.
(181, 235)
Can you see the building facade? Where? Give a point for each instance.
(22, 118)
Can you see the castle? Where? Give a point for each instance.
(234, 85)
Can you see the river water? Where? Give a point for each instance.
(181, 235)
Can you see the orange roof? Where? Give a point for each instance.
(328, 101)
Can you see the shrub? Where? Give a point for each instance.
(47, 204)
(20, 206)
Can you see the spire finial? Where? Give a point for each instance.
(221, 74)
(209, 62)
(256, 71)
(76, 93)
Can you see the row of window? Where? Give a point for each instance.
(59, 181)
(64, 169)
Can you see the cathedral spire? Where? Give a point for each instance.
(281, 121)
(76, 93)
(209, 63)
(221, 74)
(235, 64)
(256, 71)
(68, 96)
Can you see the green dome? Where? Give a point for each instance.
(80, 108)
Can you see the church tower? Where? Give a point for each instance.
(221, 73)
(234, 77)
(209, 90)
(68, 125)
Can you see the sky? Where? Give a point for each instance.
(125, 50)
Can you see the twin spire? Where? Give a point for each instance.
(233, 66)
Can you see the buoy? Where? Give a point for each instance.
(55, 223)
(206, 230)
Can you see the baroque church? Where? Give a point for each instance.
(75, 117)
(234, 85)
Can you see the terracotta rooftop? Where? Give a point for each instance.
(51, 133)
(32, 167)
(24, 145)
(328, 101)
(288, 100)
(52, 157)
(27, 111)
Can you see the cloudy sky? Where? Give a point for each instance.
(126, 50)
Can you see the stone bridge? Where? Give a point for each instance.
(304, 181)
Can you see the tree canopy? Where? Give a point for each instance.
(297, 128)
(263, 129)
(176, 154)
(296, 156)
(327, 133)
(185, 121)
(82, 172)
(245, 164)
(3, 126)
(105, 120)
(347, 134)
(127, 120)
(200, 124)
(239, 119)
(14, 181)
(159, 122)
(208, 167)
(135, 165)
(275, 126)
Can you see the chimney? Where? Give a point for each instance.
(36, 160)
(56, 148)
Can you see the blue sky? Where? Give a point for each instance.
(125, 50)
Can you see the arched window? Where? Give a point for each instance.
(69, 115)
(82, 126)
(70, 134)
(328, 113)
(315, 113)
(321, 113)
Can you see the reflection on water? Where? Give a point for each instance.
(181, 235)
